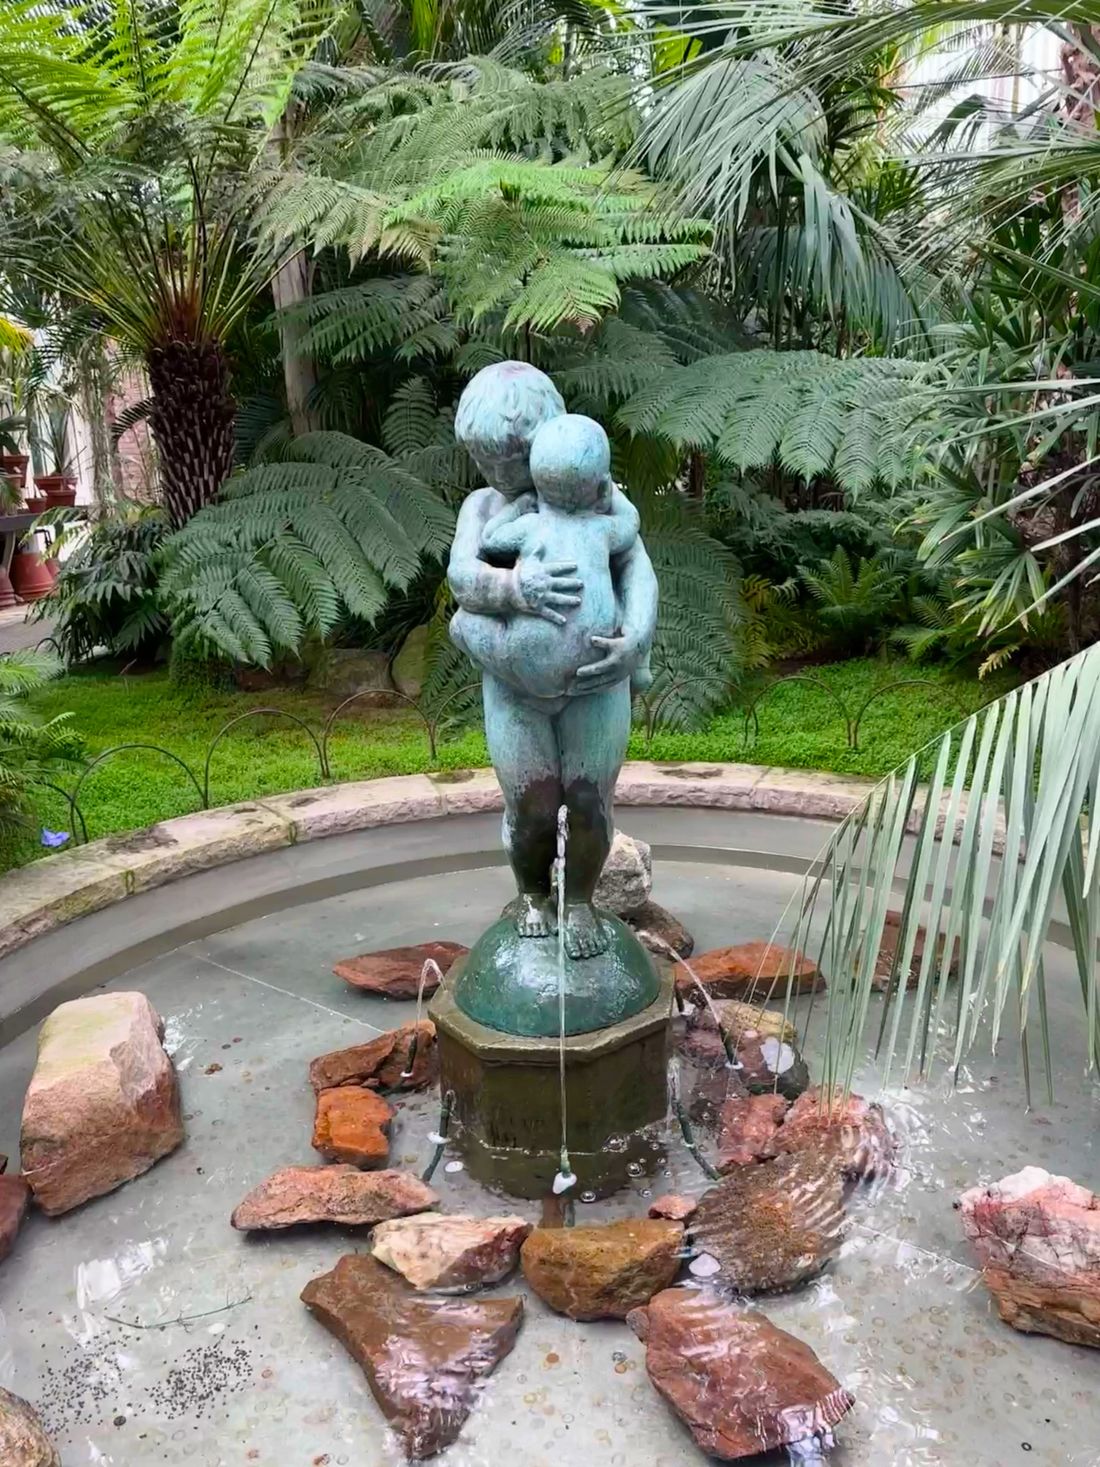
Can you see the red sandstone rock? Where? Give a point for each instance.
(336, 1194)
(751, 970)
(773, 1225)
(353, 1125)
(437, 1252)
(14, 1197)
(747, 1128)
(395, 972)
(740, 1385)
(1038, 1239)
(423, 1357)
(384, 1063)
(673, 1207)
(602, 1272)
(849, 1127)
(23, 1440)
(103, 1103)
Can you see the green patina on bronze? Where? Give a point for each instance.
(507, 1106)
(510, 983)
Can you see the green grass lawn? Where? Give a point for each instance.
(800, 727)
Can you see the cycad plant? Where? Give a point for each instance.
(141, 132)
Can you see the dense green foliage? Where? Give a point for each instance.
(34, 751)
(799, 727)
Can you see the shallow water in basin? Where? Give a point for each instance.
(149, 1332)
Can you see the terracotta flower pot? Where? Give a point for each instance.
(59, 489)
(15, 463)
(36, 503)
(29, 576)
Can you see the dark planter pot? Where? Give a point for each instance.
(16, 464)
(59, 489)
(36, 503)
(29, 576)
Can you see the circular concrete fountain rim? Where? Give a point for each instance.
(240, 861)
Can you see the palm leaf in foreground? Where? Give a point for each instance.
(1011, 785)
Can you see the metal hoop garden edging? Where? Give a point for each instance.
(851, 725)
(431, 724)
(259, 713)
(121, 749)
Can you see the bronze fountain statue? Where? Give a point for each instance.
(558, 1007)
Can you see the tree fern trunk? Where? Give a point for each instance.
(192, 422)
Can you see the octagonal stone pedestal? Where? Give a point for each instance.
(506, 1121)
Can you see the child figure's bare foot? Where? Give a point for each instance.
(584, 932)
(534, 916)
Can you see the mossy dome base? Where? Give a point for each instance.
(510, 983)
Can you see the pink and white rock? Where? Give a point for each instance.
(627, 876)
(335, 1194)
(769, 1065)
(846, 1127)
(437, 1252)
(395, 972)
(14, 1197)
(747, 1129)
(741, 1385)
(1038, 1239)
(23, 1439)
(103, 1103)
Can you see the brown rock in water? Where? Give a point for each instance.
(14, 1197)
(771, 1226)
(660, 932)
(23, 1439)
(739, 1384)
(103, 1103)
(747, 1128)
(353, 1125)
(750, 970)
(395, 972)
(437, 1252)
(423, 1357)
(887, 954)
(334, 1194)
(673, 1207)
(602, 1272)
(1038, 1239)
(384, 1063)
(846, 1127)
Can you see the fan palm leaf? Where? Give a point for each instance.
(980, 856)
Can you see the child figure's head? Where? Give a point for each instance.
(498, 415)
(571, 462)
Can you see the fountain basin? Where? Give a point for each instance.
(506, 1120)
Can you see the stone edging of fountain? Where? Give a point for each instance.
(45, 895)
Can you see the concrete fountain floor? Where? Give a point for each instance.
(148, 1332)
